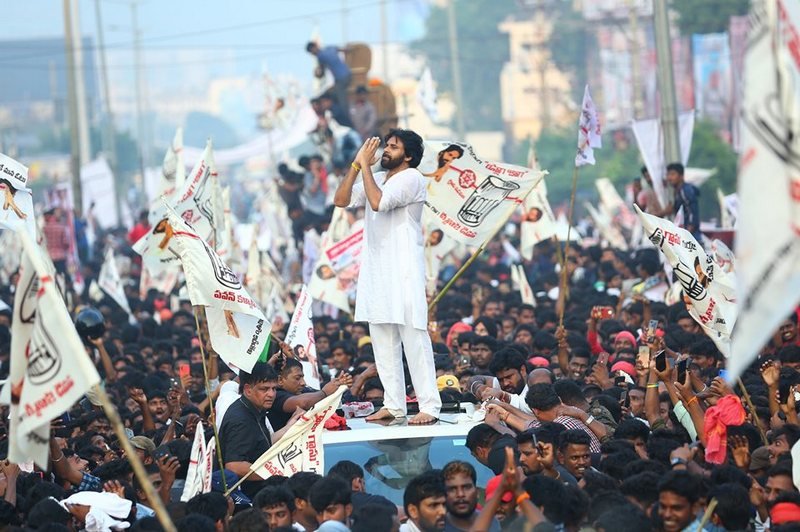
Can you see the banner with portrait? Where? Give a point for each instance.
(336, 272)
(708, 290)
(470, 198)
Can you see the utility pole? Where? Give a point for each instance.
(72, 106)
(636, 67)
(137, 66)
(109, 146)
(384, 42)
(666, 83)
(455, 64)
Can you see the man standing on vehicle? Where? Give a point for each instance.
(391, 283)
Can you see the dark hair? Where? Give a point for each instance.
(48, 511)
(248, 521)
(412, 144)
(789, 353)
(489, 323)
(475, 339)
(733, 505)
(481, 435)
(348, 347)
(641, 487)
(630, 429)
(505, 359)
(261, 372)
(569, 392)
(311, 45)
(542, 396)
(328, 491)
(300, 483)
(624, 518)
(678, 167)
(704, 346)
(548, 494)
(614, 464)
(213, 505)
(528, 436)
(372, 517)
(274, 496)
(421, 487)
(346, 470)
(573, 437)
(682, 483)
(194, 522)
(645, 466)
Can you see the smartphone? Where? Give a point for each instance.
(602, 358)
(652, 325)
(644, 356)
(723, 374)
(626, 401)
(184, 370)
(619, 380)
(603, 313)
(174, 383)
(682, 365)
(160, 452)
(464, 360)
(661, 361)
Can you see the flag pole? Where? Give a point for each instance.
(562, 291)
(477, 253)
(136, 463)
(753, 411)
(211, 413)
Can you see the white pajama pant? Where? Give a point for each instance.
(388, 341)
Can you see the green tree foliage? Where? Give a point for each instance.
(707, 16)
(710, 151)
(482, 51)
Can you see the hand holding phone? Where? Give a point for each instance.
(661, 361)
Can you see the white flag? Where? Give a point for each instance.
(55, 369)
(194, 203)
(173, 172)
(709, 291)
(538, 221)
(300, 337)
(605, 225)
(300, 449)
(519, 278)
(163, 281)
(237, 327)
(201, 461)
(16, 199)
(469, 198)
(767, 241)
(426, 95)
(111, 283)
(588, 131)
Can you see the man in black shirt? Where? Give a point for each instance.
(293, 393)
(488, 446)
(243, 434)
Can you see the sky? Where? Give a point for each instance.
(187, 43)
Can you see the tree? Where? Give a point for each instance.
(710, 151)
(708, 16)
(483, 50)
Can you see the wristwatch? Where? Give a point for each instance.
(676, 461)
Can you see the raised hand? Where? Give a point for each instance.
(770, 372)
(740, 450)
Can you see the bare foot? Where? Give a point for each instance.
(383, 413)
(422, 419)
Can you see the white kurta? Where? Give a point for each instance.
(392, 275)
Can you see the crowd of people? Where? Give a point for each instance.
(608, 410)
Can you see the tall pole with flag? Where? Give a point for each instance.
(588, 139)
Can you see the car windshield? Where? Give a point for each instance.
(390, 465)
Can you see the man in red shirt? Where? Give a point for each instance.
(140, 229)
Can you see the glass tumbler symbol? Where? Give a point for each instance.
(483, 199)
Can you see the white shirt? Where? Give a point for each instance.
(392, 277)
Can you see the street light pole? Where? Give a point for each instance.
(72, 109)
(452, 30)
(666, 83)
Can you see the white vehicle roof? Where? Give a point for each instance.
(397, 429)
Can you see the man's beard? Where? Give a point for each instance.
(387, 163)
